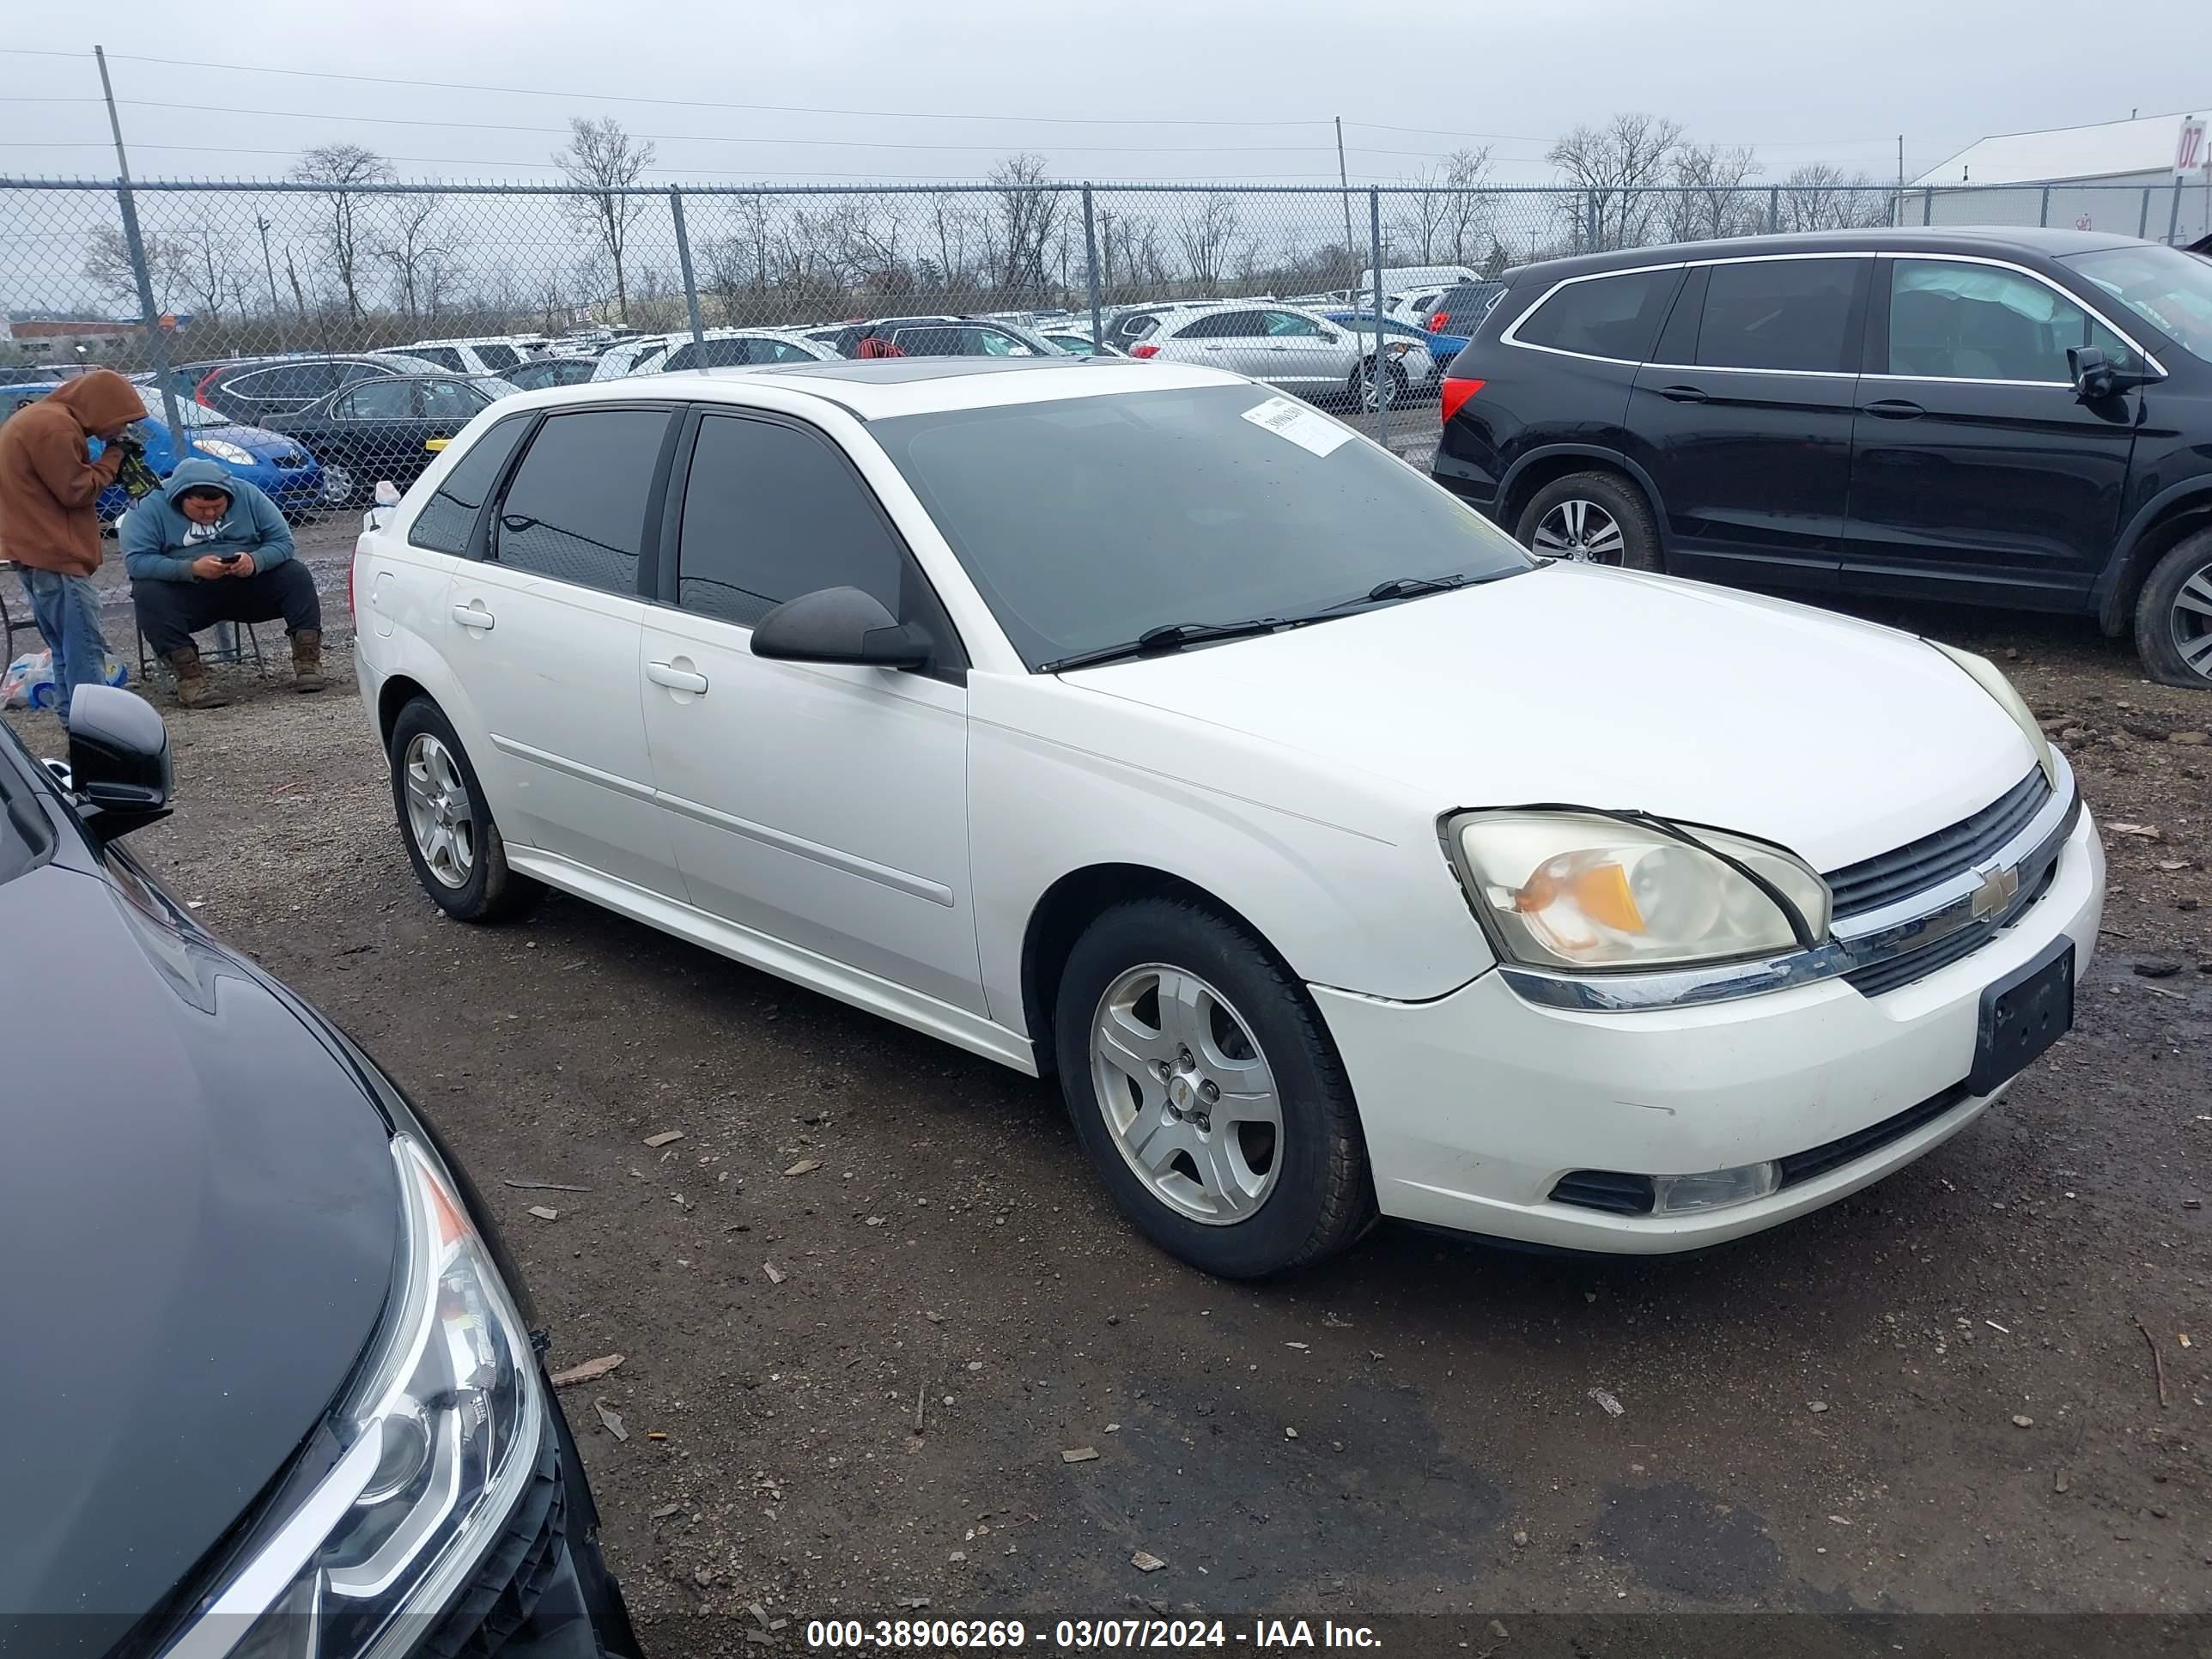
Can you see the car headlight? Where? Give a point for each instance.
(1399, 348)
(1987, 675)
(440, 1431)
(224, 450)
(1572, 890)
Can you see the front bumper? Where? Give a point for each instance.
(1474, 1105)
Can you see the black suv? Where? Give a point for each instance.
(2004, 416)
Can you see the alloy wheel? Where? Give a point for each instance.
(1187, 1094)
(337, 486)
(2190, 620)
(438, 816)
(1580, 531)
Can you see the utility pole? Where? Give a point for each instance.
(157, 347)
(1344, 180)
(261, 224)
(1897, 210)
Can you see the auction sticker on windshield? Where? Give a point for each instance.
(1301, 425)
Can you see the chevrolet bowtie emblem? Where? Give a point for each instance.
(1995, 892)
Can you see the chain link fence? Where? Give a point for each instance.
(318, 338)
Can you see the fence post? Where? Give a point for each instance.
(1383, 399)
(684, 258)
(1091, 265)
(1927, 207)
(1773, 209)
(2043, 219)
(2173, 214)
(2142, 219)
(1589, 222)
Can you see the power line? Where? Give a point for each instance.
(680, 103)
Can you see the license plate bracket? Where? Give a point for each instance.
(2022, 1015)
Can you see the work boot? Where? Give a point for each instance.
(194, 689)
(308, 661)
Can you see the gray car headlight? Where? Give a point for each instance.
(1569, 891)
(441, 1428)
(1987, 675)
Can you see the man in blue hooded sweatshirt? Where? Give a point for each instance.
(210, 547)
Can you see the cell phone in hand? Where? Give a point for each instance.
(229, 558)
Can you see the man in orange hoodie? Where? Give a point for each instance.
(49, 521)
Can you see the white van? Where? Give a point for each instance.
(1396, 279)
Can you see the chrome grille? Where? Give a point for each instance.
(1932, 859)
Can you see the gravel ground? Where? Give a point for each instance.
(871, 1299)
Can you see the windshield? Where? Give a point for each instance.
(1085, 522)
(2167, 288)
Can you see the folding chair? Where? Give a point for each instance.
(227, 649)
(10, 623)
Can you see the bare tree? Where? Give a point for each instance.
(418, 246)
(602, 158)
(1612, 168)
(1822, 197)
(343, 168)
(1447, 221)
(208, 273)
(298, 294)
(1022, 218)
(1206, 233)
(108, 266)
(1712, 201)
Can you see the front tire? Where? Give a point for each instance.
(1360, 390)
(451, 840)
(1208, 1093)
(2173, 615)
(1591, 518)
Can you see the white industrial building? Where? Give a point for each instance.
(2144, 176)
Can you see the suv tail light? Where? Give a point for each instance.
(353, 580)
(1144, 350)
(1456, 393)
(1437, 322)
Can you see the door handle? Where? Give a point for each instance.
(1279, 348)
(473, 615)
(1894, 409)
(675, 679)
(1683, 394)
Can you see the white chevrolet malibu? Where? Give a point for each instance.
(1132, 725)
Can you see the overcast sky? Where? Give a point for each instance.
(884, 89)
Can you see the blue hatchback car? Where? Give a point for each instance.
(1443, 348)
(274, 464)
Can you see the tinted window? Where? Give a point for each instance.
(378, 400)
(448, 517)
(1984, 323)
(350, 373)
(450, 400)
(444, 356)
(770, 513)
(1604, 316)
(575, 509)
(496, 357)
(714, 354)
(780, 351)
(1779, 314)
(1224, 325)
(1468, 303)
(1229, 519)
(936, 341)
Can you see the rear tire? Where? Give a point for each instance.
(1245, 1158)
(453, 842)
(1359, 390)
(2173, 615)
(1591, 518)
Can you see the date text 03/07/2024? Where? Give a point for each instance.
(1081, 1635)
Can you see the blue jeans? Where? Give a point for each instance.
(67, 609)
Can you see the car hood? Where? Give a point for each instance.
(1576, 685)
(200, 1217)
(258, 441)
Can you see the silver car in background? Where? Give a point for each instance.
(1289, 347)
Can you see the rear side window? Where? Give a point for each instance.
(1465, 305)
(713, 354)
(1224, 325)
(444, 356)
(770, 513)
(444, 524)
(378, 400)
(575, 509)
(496, 357)
(1780, 313)
(1614, 316)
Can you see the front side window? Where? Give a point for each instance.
(1954, 321)
(1250, 506)
(575, 509)
(1616, 316)
(1779, 314)
(449, 516)
(378, 400)
(992, 342)
(1290, 324)
(771, 512)
(2167, 288)
(451, 400)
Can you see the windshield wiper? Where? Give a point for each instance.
(1168, 636)
(1402, 587)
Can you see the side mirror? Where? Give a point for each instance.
(1332, 338)
(841, 625)
(2096, 379)
(118, 761)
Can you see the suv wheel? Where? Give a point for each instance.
(1207, 1094)
(451, 840)
(1590, 518)
(2173, 616)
